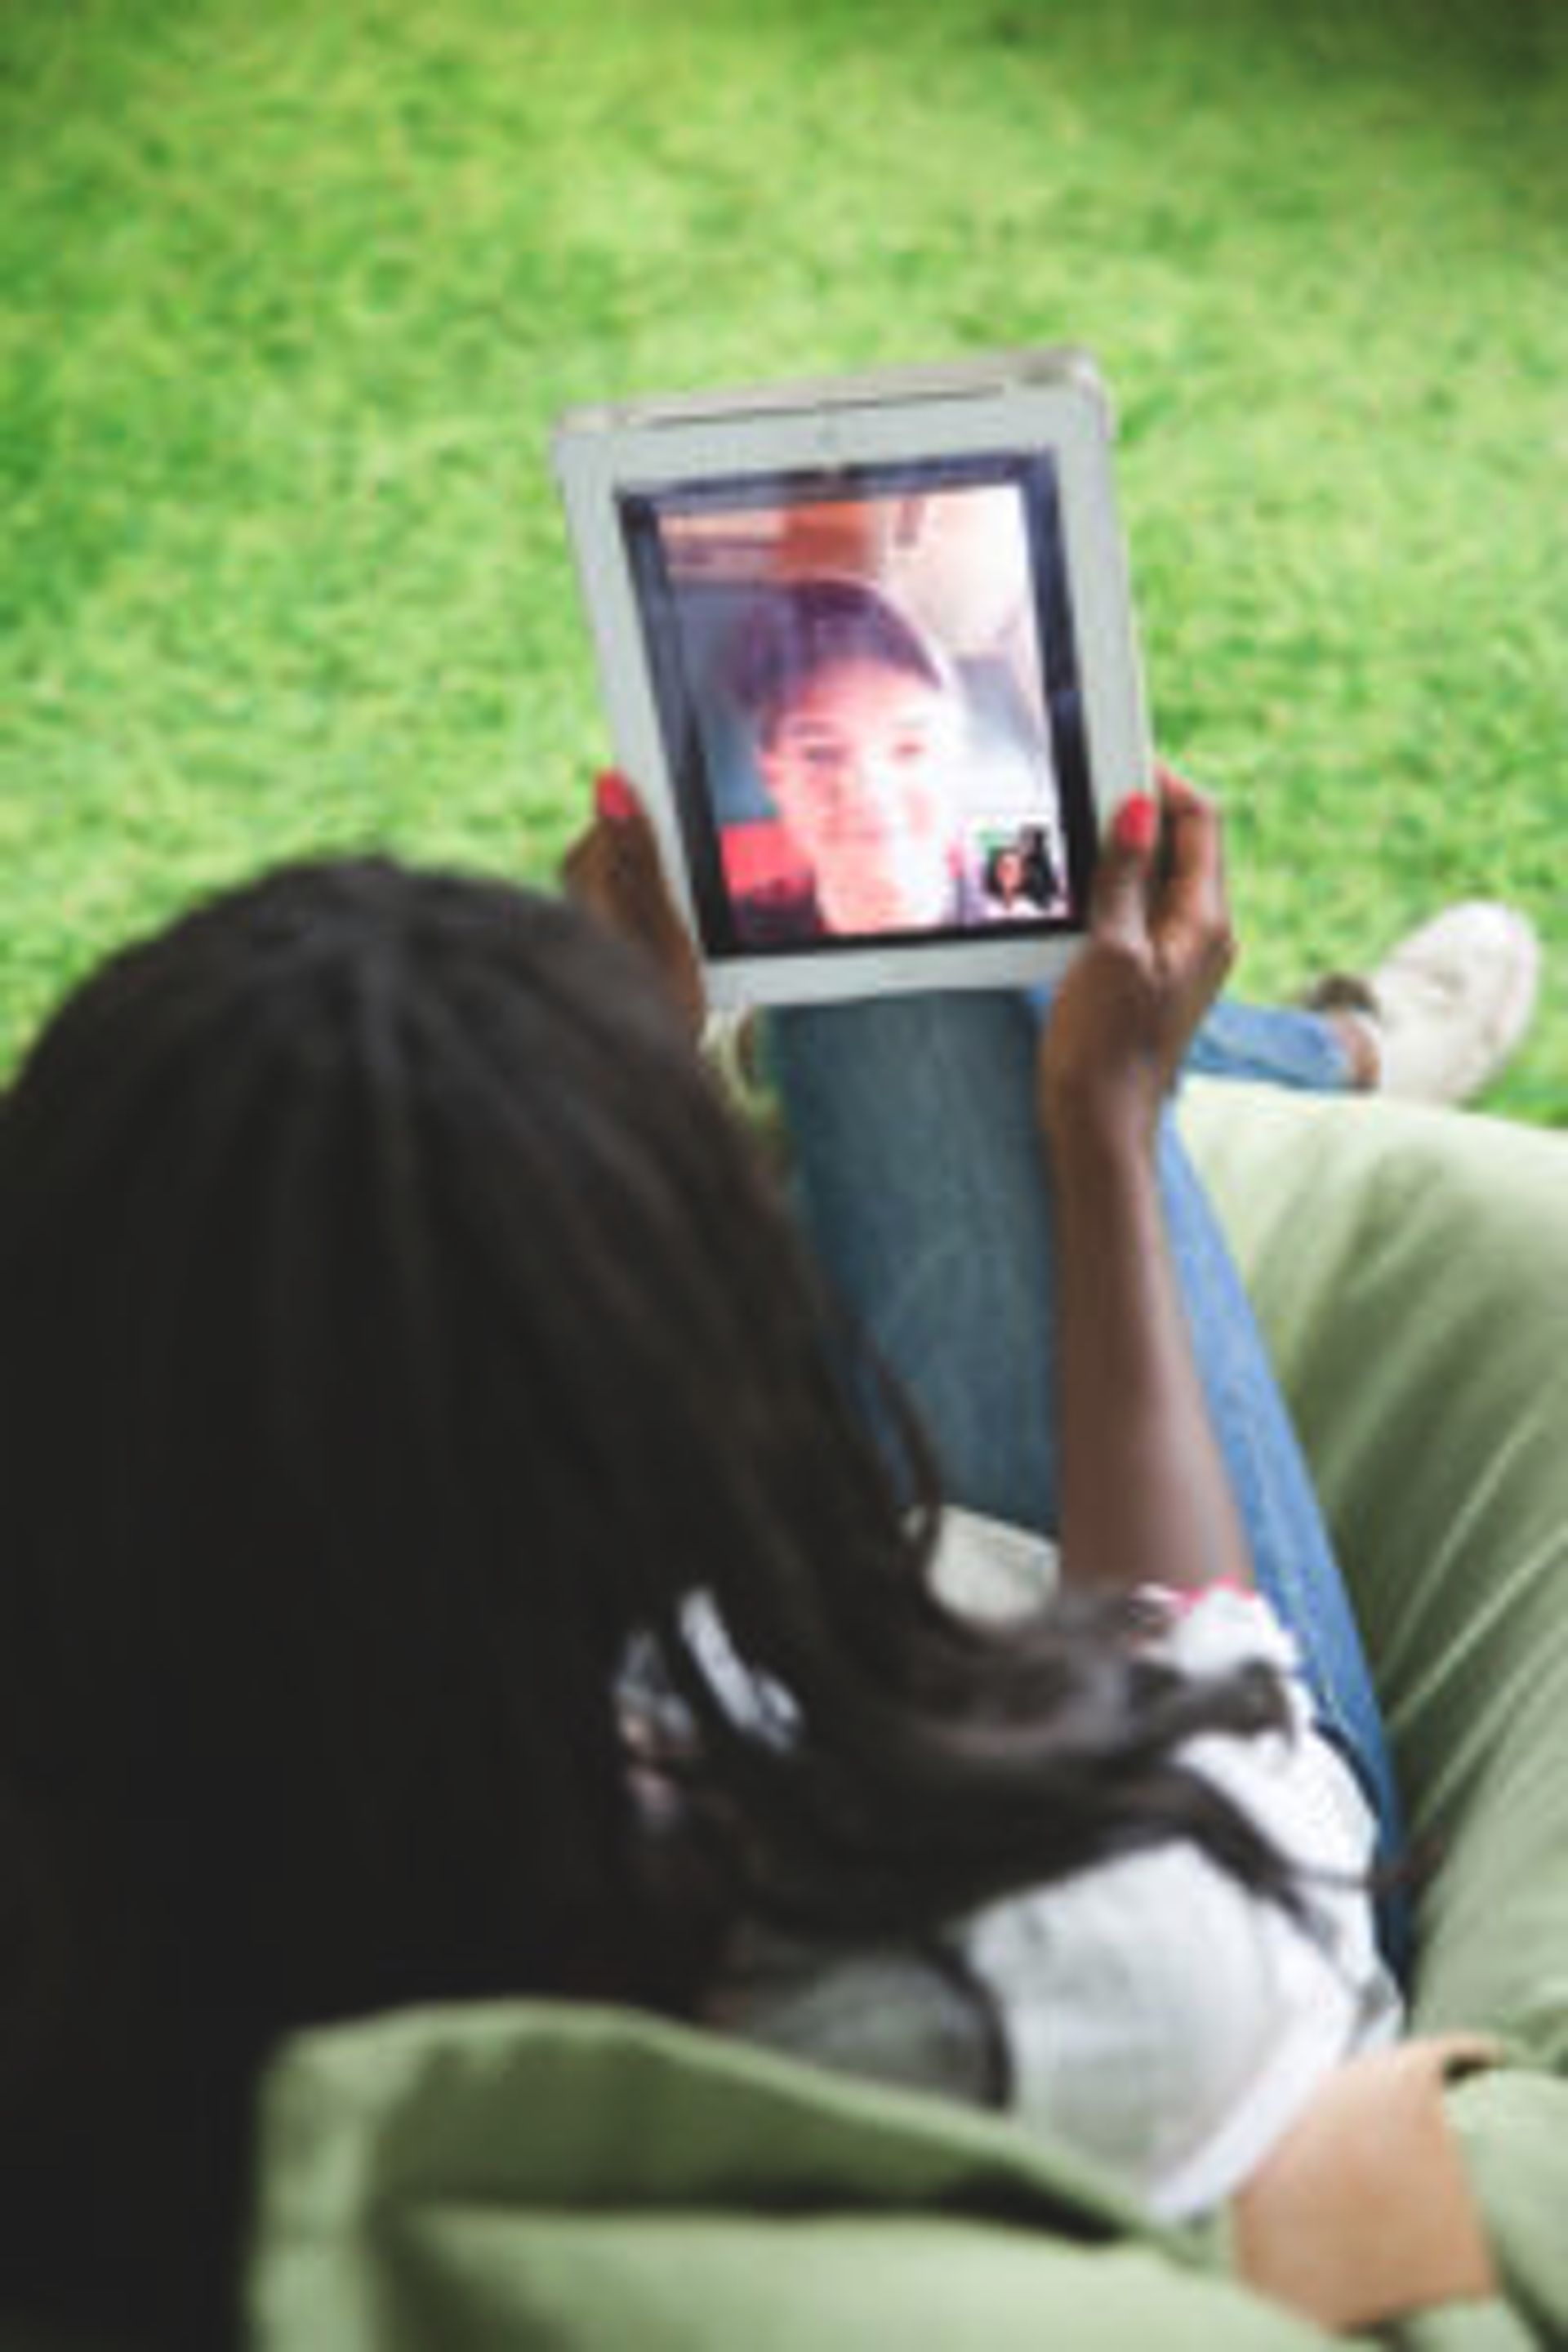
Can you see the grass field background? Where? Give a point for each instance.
(289, 295)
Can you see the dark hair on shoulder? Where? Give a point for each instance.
(394, 1329)
(792, 632)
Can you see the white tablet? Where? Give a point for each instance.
(867, 654)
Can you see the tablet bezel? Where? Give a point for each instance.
(1013, 405)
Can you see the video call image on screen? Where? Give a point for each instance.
(868, 693)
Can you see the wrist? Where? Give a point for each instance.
(1100, 1132)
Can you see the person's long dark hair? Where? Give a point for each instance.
(393, 1325)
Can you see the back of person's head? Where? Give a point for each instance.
(389, 1317)
(795, 631)
(390, 1320)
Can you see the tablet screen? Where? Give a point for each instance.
(867, 686)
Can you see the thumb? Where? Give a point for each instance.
(614, 871)
(614, 868)
(1126, 862)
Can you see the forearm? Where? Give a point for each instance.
(1145, 1495)
(1363, 2212)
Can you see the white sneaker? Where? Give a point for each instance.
(1449, 1005)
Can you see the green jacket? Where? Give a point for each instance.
(524, 2175)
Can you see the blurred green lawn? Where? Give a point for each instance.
(290, 294)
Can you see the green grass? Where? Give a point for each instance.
(290, 294)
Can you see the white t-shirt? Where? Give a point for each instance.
(1157, 2018)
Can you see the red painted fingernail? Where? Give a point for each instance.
(613, 797)
(1137, 823)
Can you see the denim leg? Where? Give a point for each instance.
(1280, 1044)
(922, 1182)
(1292, 1555)
(919, 1178)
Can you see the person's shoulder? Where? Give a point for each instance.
(888, 2011)
(1169, 2023)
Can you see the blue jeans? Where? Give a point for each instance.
(1276, 1043)
(922, 1182)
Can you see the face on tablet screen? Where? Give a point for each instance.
(868, 691)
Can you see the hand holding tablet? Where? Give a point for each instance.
(867, 648)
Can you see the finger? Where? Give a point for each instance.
(615, 863)
(1193, 859)
(614, 870)
(583, 869)
(625, 881)
(1191, 917)
(1125, 869)
(614, 799)
(1178, 792)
